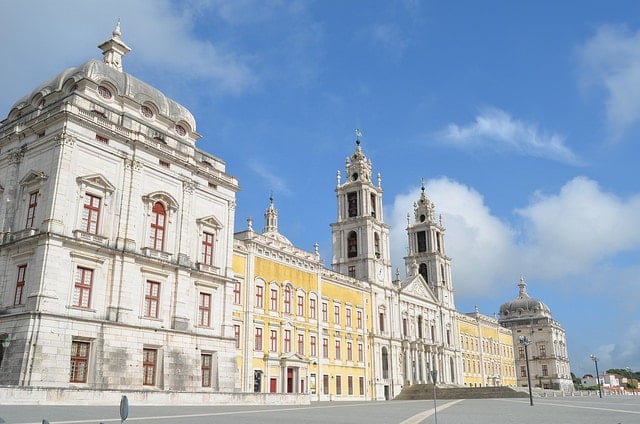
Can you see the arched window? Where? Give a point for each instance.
(352, 245)
(423, 271)
(385, 363)
(158, 226)
(376, 244)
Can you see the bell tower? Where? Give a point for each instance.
(360, 237)
(427, 254)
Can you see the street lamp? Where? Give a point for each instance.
(595, 359)
(434, 377)
(524, 341)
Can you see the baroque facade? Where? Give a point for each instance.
(547, 349)
(122, 269)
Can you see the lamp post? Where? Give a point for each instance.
(595, 359)
(434, 377)
(524, 341)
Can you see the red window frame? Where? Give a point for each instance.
(91, 213)
(325, 312)
(348, 317)
(360, 352)
(204, 309)
(350, 385)
(325, 348)
(205, 367)
(300, 344)
(312, 308)
(273, 341)
(274, 300)
(259, 297)
(82, 287)
(300, 305)
(359, 319)
(287, 300)
(338, 353)
(31, 210)
(287, 341)
(149, 358)
(158, 226)
(336, 314)
(361, 385)
(207, 248)
(349, 351)
(152, 299)
(258, 339)
(312, 345)
(20, 283)
(79, 362)
(236, 293)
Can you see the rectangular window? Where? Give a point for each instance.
(422, 241)
(82, 287)
(545, 370)
(312, 308)
(102, 139)
(151, 299)
(361, 385)
(325, 384)
(287, 340)
(449, 337)
(381, 319)
(350, 385)
(338, 385)
(543, 351)
(204, 315)
(158, 226)
(523, 371)
(348, 317)
(325, 348)
(351, 271)
(79, 362)
(352, 202)
(273, 341)
(236, 293)
(360, 352)
(404, 327)
(300, 306)
(337, 350)
(258, 339)
(149, 357)
(259, 297)
(164, 164)
(520, 352)
(20, 282)
(300, 344)
(207, 248)
(349, 351)
(91, 213)
(336, 314)
(325, 312)
(287, 300)
(373, 205)
(31, 211)
(273, 300)
(312, 342)
(205, 360)
(359, 319)
(236, 334)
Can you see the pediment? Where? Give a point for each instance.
(160, 196)
(33, 177)
(96, 181)
(210, 221)
(416, 286)
(293, 357)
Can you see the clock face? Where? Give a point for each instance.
(380, 273)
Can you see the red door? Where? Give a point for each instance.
(289, 380)
(273, 385)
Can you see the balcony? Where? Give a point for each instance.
(91, 238)
(207, 268)
(156, 254)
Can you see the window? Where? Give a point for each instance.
(350, 385)
(301, 306)
(151, 299)
(543, 351)
(273, 341)
(149, 366)
(163, 163)
(79, 362)
(204, 310)
(104, 92)
(312, 342)
(360, 352)
(82, 288)
(381, 320)
(325, 312)
(349, 351)
(338, 385)
(336, 314)
(31, 211)
(325, 348)
(259, 297)
(287, 300)
(376, 244)
(236, 293)
(449, 337)
(300, 344)
(348, 317)
(433, 335)
(20, 282)
(207, 248)
(424, 271)
(325, 384)
(373, 205)
(359, 319)
(102, 139)
(287, 340)
(352, 201)
(351, 271)
(361, 385)
(523, 371)
(236, 335)
(312, 308)
(338, 350)
(385, 363)
(158, 218)
(422, 241)
(521, 352)
(545, 370)
(91, 213)
(205, 361)
(405, 328)
(352, 245)
(273, 300)
(258, 339)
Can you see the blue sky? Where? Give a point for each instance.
(523, 119)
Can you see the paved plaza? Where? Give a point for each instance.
(570, 410)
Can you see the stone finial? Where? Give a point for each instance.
(114, 49)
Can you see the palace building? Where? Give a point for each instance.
(122, 268)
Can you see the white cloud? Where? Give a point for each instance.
(272, 181)
(611, 60)
(496, 129)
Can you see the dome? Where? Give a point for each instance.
(524, 305)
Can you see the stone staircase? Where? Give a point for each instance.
(425, 391)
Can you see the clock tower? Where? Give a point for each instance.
(360, 236)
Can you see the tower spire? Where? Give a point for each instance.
(271, 217)
(113, 49)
